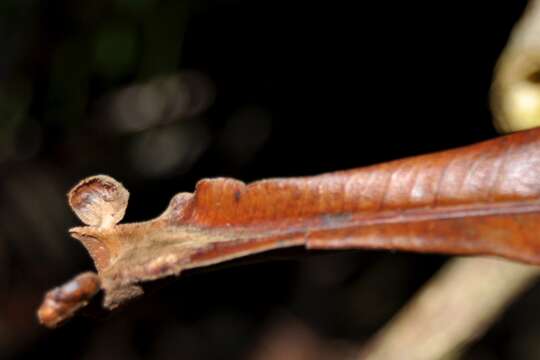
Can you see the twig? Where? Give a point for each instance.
(453, 309)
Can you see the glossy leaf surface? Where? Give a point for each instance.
(480, 199)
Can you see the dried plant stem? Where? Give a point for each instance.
(453, 309)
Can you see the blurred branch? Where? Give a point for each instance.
(453, 309)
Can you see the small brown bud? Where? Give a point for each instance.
(62, 302)
(99, 201)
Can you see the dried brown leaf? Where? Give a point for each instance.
(480, 199)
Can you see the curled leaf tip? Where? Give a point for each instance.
(99, 201)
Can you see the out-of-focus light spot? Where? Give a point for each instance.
(159, 101)
(522, 105)
(161, 151)
(244, 134)
(137, 108)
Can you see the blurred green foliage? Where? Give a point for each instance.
(78, 52)
(115, 50)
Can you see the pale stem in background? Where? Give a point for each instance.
(454, 308)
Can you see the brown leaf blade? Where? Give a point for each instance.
(480, 199)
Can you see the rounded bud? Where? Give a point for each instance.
(62, 302)
(99, 201)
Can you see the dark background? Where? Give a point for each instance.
(159, 94)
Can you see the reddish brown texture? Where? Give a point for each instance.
(62, 302)
(481, 199)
